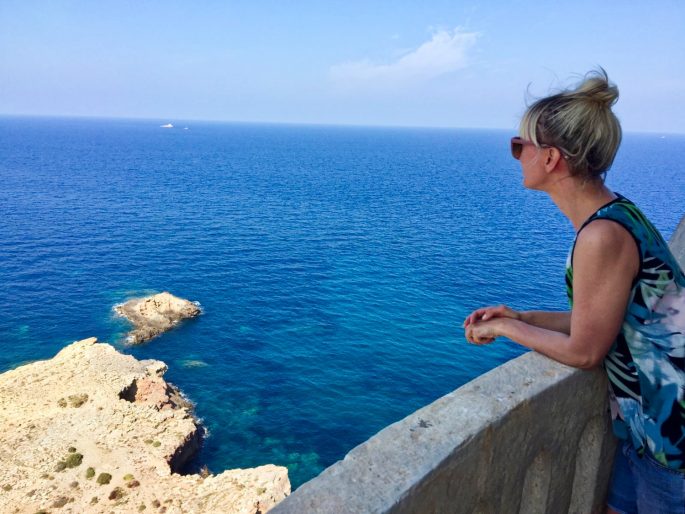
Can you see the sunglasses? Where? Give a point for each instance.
(518, 143)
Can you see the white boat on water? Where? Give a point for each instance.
(168, 125)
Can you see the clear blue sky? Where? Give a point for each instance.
(433, 63)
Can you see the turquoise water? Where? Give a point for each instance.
(334, 265)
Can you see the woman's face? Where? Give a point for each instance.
(533, 167)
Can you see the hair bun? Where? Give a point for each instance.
(597, 88)
(580, 123)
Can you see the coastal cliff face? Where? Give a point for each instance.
(93, 430)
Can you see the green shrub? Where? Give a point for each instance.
(90, 473)
(104, 478)
(73, 460)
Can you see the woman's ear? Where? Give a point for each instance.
(552, 158)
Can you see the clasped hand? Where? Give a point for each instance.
(483, 325)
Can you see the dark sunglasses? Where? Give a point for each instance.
(517, 144)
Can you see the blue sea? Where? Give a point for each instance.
(334, 265)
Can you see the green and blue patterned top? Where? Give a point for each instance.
(646, 363)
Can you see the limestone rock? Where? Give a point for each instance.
(96, 431)
(155, 314)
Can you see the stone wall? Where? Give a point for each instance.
(531, 436)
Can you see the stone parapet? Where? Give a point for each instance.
(531, 436)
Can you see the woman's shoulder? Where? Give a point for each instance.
(609, 249)
(605, 231)
(613, 222)
(622, 220)
(605, 235)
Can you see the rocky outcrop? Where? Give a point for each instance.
(155, 314)
(96, 431)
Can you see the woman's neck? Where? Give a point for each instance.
(579, 200)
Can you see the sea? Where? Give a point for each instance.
(334, 265)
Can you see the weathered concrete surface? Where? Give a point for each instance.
(93, 407)
(531, 436)
(500, 443)
(677, 242)
(154, 315)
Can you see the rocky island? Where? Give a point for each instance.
(95, 431)
(154, 315)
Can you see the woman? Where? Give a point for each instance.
(625, 289)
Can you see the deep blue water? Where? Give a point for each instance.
(334, 265)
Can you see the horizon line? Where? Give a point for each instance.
(288, 123)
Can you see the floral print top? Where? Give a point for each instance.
(646, 363)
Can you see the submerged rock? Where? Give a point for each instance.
(193, 363)
(154, 315)
(93, 430)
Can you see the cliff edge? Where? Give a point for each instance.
(92, 430)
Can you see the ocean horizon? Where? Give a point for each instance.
(182, 123)
(334, 263)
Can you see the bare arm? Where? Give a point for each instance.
(605, 262)
(551, 320)
(558, 321)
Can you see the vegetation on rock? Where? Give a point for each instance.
(73, 460)
(116, 494)
(104, 478)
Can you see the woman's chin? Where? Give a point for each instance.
(530, 185)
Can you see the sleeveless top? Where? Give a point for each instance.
(646, 363)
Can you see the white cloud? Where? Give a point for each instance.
(447, 51)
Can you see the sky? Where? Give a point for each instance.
(431, 63)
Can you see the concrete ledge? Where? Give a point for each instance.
(677, 242)
(508, 441)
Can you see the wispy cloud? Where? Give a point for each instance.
(447, 51)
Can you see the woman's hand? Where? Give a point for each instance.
(482, 332)
(488, 313)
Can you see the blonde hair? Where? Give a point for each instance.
(578, 122)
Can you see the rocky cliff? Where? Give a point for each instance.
(93, 430)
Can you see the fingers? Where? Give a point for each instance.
(472, 336)
(493, 312)
(486, 313)
(475, 316)
(479, 341)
